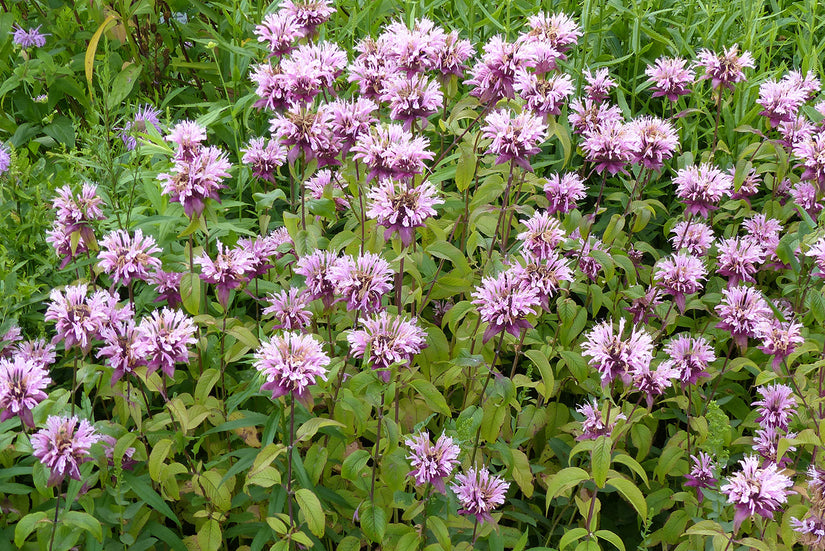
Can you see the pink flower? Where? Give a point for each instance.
(741, 309)
(317, 268)
(811, 152)
(412, 98)
(599, 85)
(694, 236)
(308, 13)
(702, 188)
(779, 338)
(28, 38)
(388, 340)
(291, 363)
(701, 474)
(739, 259)
(546, 96)
(726, 69)
(479, 493)
(514, 138)
(544, 275)
(352, 118)
(804, 195)
(128, 258)
(279, 31)
(558, 30)
(167, 285)
(432, 463)
(63, 446)
(289, 309)
(163, 340)
(271, 87)
(543, 235)
(652, 141)
(780, 101)
(755, 490)
(78, 318)
(227, 271)
(362, 281)
(399, 207)
(670, 77)
(615, 357)
(414, 50)
(776, 407)
(450, 59)
(588, 115)
(195, 178)
(653, 382)
(594, 423)
(691, 356)
(264, 157)
(494, 75)
(392, 152)
(609, 147)
(308, 132)
(187, 137)
(22, 381)
(564, 192)
(119, 348)
(504, 303)
(680, 275)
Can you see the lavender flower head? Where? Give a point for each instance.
(412, 98)
(780, 101)
(779, 338)
(599, 84)
(352, 118)
(414, 50)
(652, 141)
(514, 138)
(317, 268)
(557, 30)
(432, 463)
(653, 382)
(504, 303)
(739, 259)
(38, 351)
(264, 157)
(695, 236)
(389, 340)
(479, 492)
(291, 363)
(588, 116)
(28, 38)
(609, 147)
(145, 115)
(279, 31)
(726, 69)
(163, 340)
(227, 271)
(701, 474)
(544, 275)
(402, 208)
(741, 309)
(670, 77)
(392, 152)
(543, 234)
(494, 75)
(308, 14)
(614, 357)
(766, 444)
(63, 445)
(811, 152)
(78, 318)
(594, 423)
(167, 285)
(543, 96)
(756, 491)
(127, 258)
(691, 356)
(701, 188)
(451, 58)
(5, 158)
(289, 309)
(362, 281)
(193, 180)
(564, 192)
(776, 407)
(119, 348)
(187, 137)
(680, 275)
(22, 381)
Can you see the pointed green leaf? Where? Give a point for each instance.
(313, 512)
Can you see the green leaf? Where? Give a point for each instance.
(466, 167)
(190, 292)
(373, 522)
(206, 382)
(144, 491)
(408, 542)
(209, 536)
(156, 458)
(123, 84)
(607, 535)
(265, 200)
(354, 464)
(521, 472)
(631, 493)
(349, 543)
(448, 251)
(753, 543)
(600, 459)
(706, 528)
(84, 521)
(313, 512)
(431, 396)
(571, 536)
(26, 526)
(564, 480)
(546, 371)
(91, 50)
(312, 426)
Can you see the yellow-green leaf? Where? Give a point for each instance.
(313, 512)
(89, 61)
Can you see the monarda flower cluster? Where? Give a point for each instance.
(72, 233)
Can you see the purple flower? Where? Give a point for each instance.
(543, 96)
(271, 86)
(145, 115)
(564, 192)
(588, 115)
(167, 285)
(279, 31)
(726, 69)
(680, 275)
(479, 492)
(22, 381)
(558, 30)
(779, 338)
(701, 474)
(193, 180)
(691, 356)
(119, 348)
(311, 68)
(493, 77)
(644, 306)
(776, 407)
(262, 249)
(389, 340)
(766, 444)
(764, 232)
(651, 382)
(756, 491)
(264, 157)
(28, 38)
(450, 59)
(609, 147)
(739, 259)
(810, 531)
(411, 98)
(372, 67)
(78, 318)
(5, 158)
(77, 211)
(599, 85)
(291, 363)
(432, 463)
(163, 340)
(289, 309)
(414, 50)
(127, 258)
(804, 195)
(308, 132)
(504, 303)
(308, 13)
(326, 183)
(702, 187)
(399, 207)
(37, 351)
(317, 268)
(543, 235)
(811, 152)
(594, 423)
(352, 118)
(544, 275)
(187, 137)
(670, 77)
(63, 446)
(652, 141)
(696, 237)
(362, 281)
(392, 152)
(741, 309)
(614, 357)
(227, 271)
(780, 101)
(514, 138)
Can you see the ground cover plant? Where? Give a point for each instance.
(375, 275)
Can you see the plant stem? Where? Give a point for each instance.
(377, 448)
(56, 511)
(289, 458)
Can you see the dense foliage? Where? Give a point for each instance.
(447, 275)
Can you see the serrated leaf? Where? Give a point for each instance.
(310, 506)
(156, 458)
(607, 535)
(373, 522)
(190, 292)
(312, 426)
(521, 472)
(209, 536)
(546, 371)
(571, 536)
(600, 459)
